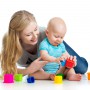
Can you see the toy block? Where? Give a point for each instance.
(60, 74)
(18, 77)
(63, 63)
(70, 63)
(8, 78)
(88, 75)
(30, 79)
(58, 80)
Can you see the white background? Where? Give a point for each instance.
(76, 14)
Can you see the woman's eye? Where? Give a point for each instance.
(35, 29)
(28, 35)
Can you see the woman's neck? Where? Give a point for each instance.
(32, 49)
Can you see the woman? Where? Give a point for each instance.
(21, 43)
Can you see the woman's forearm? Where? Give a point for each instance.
(23, 71)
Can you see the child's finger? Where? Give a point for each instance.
(75, 60)
(71, 57)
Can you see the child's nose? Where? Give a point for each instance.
(58, 40)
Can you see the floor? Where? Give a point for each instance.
(84, 84)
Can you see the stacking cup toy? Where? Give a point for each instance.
(18, 77)
(8, 78)
(31, 79)
(88, 75)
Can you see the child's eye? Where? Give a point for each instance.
(56, 36)
(61, 37)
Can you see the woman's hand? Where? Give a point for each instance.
(36, 65)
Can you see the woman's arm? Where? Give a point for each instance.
(22, 71)
(33, 67)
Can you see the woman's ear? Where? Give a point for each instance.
(46, 32)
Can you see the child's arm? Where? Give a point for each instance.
(46, 57)
(65, 56)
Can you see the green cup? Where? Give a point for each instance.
(60, 74)
(18, 77)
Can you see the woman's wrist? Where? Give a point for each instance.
(28, 70)
(22, 71)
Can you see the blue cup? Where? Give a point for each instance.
(63, 63)
(31, 79)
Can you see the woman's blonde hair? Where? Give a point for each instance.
(12, 49)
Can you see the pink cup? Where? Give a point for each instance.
(8, 78)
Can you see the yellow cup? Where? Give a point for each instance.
(58, 80)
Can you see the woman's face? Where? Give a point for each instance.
(30, 34)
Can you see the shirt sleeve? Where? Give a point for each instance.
(23, 60)
(43, 45)
(63, 48)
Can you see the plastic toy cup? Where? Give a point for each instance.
(69, 63)
(8, 78)
(58, 80)
(18, 77)
(88, 75)
(60, 74)
(31, 79)
(63, 63)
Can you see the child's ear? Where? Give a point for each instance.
(46, 32)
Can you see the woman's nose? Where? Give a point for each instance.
(34, 35)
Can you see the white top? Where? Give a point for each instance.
(27, 58)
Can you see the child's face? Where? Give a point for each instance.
(30, 34)
(56, 35)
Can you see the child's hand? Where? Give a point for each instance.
(58, 60)
(74, 59)
(63, 57)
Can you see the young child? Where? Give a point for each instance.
(53, 50)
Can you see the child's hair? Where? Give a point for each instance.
(12, 49)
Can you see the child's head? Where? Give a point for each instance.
(21, 24)
(56, 31)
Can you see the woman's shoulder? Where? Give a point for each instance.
(42, 29)
(42, 33)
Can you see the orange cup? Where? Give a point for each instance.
(88, 74)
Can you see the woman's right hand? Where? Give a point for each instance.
(36, 65)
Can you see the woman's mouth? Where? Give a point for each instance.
(34, 40)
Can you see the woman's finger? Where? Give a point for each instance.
(38, 59)
(43, 63)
